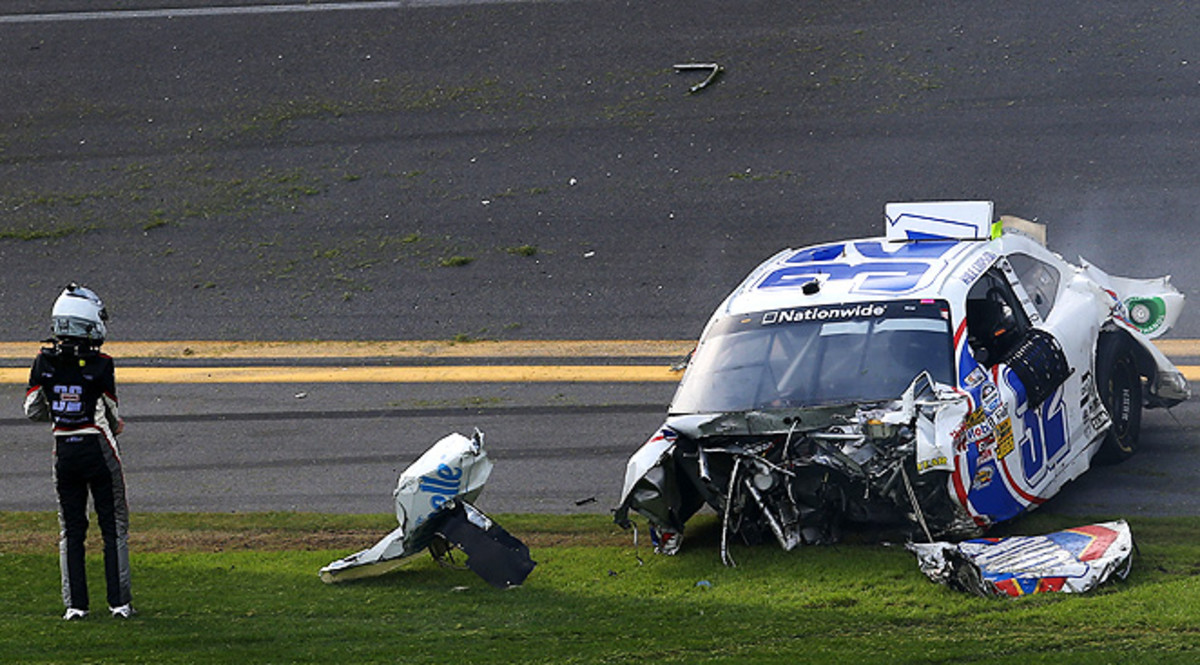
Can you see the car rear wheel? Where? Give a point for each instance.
(1120, 388)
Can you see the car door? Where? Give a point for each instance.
(1018, 435)
(1074, 317)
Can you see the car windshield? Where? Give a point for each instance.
(812, 356)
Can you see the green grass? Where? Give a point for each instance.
(55, 233)
(222, 588)
(456, 261)
(522, 250)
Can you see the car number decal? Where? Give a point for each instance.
(877, 271)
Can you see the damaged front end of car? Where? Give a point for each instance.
(798, 475)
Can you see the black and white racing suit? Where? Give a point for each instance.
(74, 387)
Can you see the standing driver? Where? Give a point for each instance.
(72, 385)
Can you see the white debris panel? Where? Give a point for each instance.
(1069, 561)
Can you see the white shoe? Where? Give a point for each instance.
(123, 612)
(74, 614)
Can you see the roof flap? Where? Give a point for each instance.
(929, 220)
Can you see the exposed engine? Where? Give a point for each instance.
(799, 476)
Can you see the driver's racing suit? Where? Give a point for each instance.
(73, 386)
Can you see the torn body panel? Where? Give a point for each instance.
(492, 553)
(1152, 306)
(432, 501)
(1146, 309)
(1069, 561)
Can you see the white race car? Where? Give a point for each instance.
(948, 376)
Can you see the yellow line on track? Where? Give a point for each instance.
(474, 373)
(215, 350)
(1190, 372)
(1179, 347)
(211, 350)
(452, 374)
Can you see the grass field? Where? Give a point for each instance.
(243, 588)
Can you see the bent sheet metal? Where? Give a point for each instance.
(1070, 561)
(432, 498)
(945, 377)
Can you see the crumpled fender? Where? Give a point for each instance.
(649, 488)
(1150, 306)
(1147, 310)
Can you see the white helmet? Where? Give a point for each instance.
(80, 314)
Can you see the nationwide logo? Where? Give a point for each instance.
(835, 313)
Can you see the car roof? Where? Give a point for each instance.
(868, 269)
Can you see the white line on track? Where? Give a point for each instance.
(186, 12)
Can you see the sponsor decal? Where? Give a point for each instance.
(983, 477)
(987, 450)
(925, 465)
(959, 438)
(966, 432)
(976, 269)
(443, 485)
(836, 313)
(1147, 314)
(1004, 439)
(977, 430)
(991, 398)
(976, 378)
(975, 419)
(67, 400)
(999, 416)
(978, 433)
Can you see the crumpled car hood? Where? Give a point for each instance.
(796, 474)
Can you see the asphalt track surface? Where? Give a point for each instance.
(538, 171)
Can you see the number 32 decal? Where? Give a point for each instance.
(1043, 439)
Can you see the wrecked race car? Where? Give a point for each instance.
(946, 377)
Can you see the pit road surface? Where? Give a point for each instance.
(538, 171)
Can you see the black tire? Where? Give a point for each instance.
(1120, 388)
